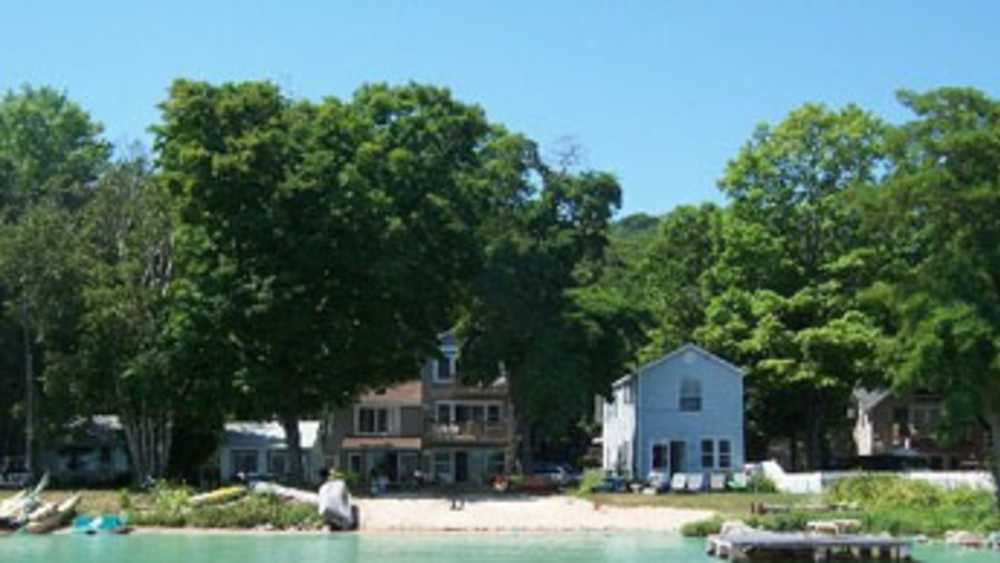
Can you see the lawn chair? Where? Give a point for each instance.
(717, 482)
(678, 482)
(738, 482)
(695, 482)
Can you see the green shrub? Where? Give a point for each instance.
(124, 500)
(760, 483)
(702, 528)
(902, 507)
(590, 480)
(254, 511)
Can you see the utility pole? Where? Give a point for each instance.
(29, 389)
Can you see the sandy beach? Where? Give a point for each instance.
(516, 513)
(491, 514)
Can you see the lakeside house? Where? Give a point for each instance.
(258, 449)
(431, 428)
(890, 424)
(91, 451)
(682, 413)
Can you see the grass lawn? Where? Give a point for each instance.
(93, 501)
(726, 504)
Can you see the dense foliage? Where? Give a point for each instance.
(274, 257)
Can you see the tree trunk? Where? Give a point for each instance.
(293, 442)
(29, 390)
(817, 432)
(149, 436)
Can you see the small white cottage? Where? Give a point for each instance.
(259, 449)
(682, 413)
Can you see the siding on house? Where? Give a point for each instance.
(891, 424)
(654, 416)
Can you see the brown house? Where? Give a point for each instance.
(904, 425)
(431, 428)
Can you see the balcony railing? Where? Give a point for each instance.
(468, 431)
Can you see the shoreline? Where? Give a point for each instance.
(544, 515)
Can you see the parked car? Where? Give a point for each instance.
(559, 474)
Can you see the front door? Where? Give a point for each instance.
(461, 467)
(677, 457)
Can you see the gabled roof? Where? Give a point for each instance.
(870, 398)
(689, 347)
(267, 434)
(408, 393)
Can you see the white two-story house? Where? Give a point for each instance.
(682, 413)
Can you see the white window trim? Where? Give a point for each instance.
(716, 466)
(715, 453)
(452, 404)
(718, 453)
(451, 354)
(680, 395)
(391, 422)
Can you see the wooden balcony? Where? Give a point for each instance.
(468, 432)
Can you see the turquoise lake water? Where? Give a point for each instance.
(377, 548)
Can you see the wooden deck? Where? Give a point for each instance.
(763, 546)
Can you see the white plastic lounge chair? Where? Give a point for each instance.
(717, 482)
(695, 482)
(678, 482)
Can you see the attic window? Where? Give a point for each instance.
(444, 369)
(690, 398)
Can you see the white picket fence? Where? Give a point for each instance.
(817, 481)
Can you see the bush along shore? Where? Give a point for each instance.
(235, 508)
(883, 504)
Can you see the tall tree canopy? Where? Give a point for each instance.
(784, 290)
(534, 310)
(939, 211)
(51, 152)
(332, 238)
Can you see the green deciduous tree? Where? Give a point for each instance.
(330, 239)
(939, 211)
(532, 310)
(784, 289)
(50, 152)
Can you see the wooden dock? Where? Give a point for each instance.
(763, 546)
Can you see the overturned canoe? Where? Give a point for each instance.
(59, 518)
(218, 496)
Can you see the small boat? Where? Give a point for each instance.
(218, 496)
(335, 507)
(54, 520)
(106, 524)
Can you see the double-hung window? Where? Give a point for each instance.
(372, 420)
(690, 395)
(707, 454)
(725, 454)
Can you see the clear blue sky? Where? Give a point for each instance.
(661, 93)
